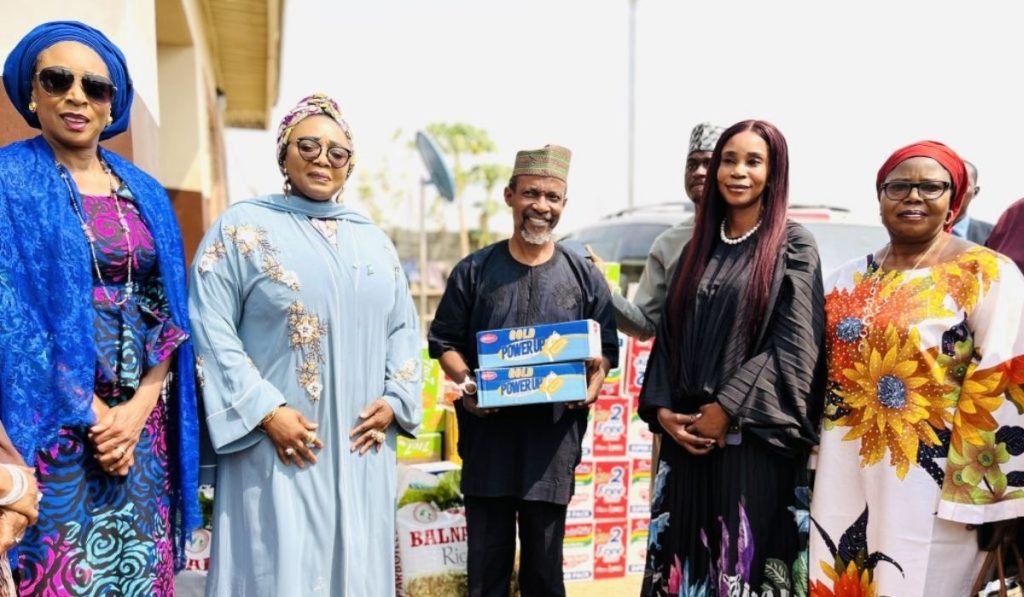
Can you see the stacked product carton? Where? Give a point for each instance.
(606, 526)
(428, 445)
(536, 364)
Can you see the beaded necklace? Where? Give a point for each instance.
(871, 308)
(123, 223)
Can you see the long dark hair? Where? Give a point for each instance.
(712, 210)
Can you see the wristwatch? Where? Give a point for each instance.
(468, 385)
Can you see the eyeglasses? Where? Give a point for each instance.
(929, 190)
(57, 80)
(310, 149)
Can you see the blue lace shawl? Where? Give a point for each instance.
(47, 351)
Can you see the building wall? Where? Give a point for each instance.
(191, 148)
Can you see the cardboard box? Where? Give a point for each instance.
(587, 445)
(581, 506)
(534, 384)
(610, 539)
(612, 271)
(611, 489)
(636, 554)
(640, 440)
(636, 365)
(433, 420)
(640, 488)
(612, 385)
(451, 437)
(611, 416)
(578, 551)
(536, 345)
(433, 379)
(424, 448)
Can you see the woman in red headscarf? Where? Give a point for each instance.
(923, 438)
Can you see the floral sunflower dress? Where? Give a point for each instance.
(923, 435)
(101, 534)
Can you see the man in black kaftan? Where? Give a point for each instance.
(518, 462)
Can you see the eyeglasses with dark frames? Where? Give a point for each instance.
(929, 190)
(57, 80)
(310, 149)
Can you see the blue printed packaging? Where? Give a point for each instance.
(531, 384)
(539, 344)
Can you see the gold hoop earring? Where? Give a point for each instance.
(32, 106)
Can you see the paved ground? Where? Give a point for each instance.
(620, 587)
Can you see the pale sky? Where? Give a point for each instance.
(846, 84)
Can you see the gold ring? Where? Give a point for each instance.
(378, 436)
(310, 437)
(120, 452)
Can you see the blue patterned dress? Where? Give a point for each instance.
(100, 534)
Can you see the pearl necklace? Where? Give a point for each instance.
(122, 222)
(738, 239)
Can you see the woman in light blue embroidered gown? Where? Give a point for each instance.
(308, 355)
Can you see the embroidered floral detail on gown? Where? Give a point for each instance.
(100, 534)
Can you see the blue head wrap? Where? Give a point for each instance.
(19, 69)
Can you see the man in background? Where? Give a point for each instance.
(967, 227)
(1008, 235)
(640, 317)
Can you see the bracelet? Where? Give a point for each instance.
(19, 485)
(269, 417)
(468, 385)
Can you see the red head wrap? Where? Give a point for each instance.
(945, 156)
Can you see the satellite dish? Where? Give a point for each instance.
(440, 174)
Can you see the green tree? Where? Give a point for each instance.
(460, 140)
(489, 177)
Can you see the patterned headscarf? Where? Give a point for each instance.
(946, 157)
(704, 137)
(312, 105)
(19, 69)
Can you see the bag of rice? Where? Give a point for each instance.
(431, 535)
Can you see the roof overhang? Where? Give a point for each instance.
(245, 43)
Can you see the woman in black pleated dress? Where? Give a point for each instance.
(734, 383)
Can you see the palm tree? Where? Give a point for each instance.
(459, 140)
(488, 176)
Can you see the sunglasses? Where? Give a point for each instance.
(57, 80)
(310, 149)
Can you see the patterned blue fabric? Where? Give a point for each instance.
(47, 348)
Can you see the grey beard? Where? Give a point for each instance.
(536, 239)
